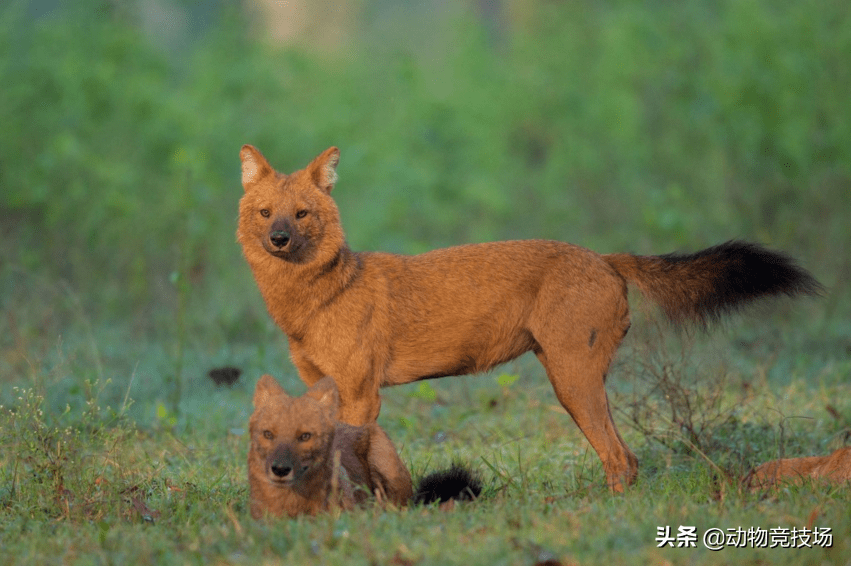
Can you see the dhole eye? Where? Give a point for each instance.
(301, 214)
(267, 434)
(264, 212)
(304, 437)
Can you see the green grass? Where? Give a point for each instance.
(93, 485)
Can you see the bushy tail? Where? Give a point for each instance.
(702, 286)
(455, 483)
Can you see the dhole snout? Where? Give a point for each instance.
(284, 466)
(283, 239)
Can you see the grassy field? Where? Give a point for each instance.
(629, 127)
(90, 486)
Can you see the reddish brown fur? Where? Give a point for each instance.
(375, 319)
(303, 461)
(833, 468)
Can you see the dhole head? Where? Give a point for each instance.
(291, 437)
(290, 216)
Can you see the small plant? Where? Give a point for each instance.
(688, 409)
(505, 380)
(425, 392)
(58, 466)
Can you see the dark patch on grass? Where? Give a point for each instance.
(225, 375)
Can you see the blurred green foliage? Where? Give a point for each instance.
(644, 127)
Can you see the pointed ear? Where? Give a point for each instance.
(254, 166)
(266, 388)
(323, 169)
(325, 392)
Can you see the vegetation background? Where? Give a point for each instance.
(632, 126)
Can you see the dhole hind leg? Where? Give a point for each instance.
(576, 362)
(581, 391)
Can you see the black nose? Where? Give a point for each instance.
(281, 470)
(280, 238)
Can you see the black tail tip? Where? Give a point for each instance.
(457, 483)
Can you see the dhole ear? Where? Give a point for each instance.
(323, 169)
(254, 166)
(325, 392)
(266, 388)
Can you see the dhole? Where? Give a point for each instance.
(834, 468)
(303, 461)
(374, 319)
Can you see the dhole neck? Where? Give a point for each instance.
(294, 293)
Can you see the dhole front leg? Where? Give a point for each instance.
(359, 398)
(307, 371)
(389, 474)
(360, 401)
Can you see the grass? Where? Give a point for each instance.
(126, 483)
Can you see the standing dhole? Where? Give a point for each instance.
(374, 319)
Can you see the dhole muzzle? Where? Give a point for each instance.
(283, 465)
